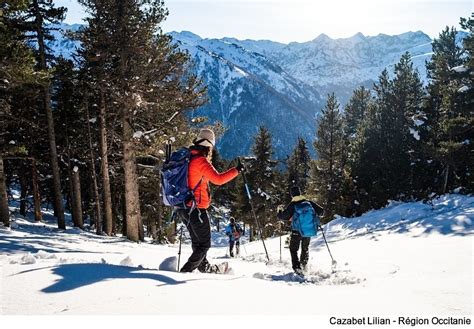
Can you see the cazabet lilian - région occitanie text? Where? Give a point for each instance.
(400, 321)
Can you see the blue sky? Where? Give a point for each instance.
(303, 20)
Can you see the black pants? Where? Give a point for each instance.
(231, 246)
(295, 241)
(200, 230)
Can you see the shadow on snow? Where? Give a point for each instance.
(74, 276)
(36, 243)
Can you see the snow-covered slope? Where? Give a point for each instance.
(409, 259)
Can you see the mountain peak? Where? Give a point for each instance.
(418, 35)
(322, 37)
(357, 37)
(186, 36)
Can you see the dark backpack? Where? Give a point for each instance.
(305, 220)
(174, 179)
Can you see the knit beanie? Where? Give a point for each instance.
(205, 138)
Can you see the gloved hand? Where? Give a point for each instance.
(280, 209)
(240, 167)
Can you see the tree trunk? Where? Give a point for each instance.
(98, 212)
(105, 166)
(159, 225)
(124, 215)
(132, 197)
(70, 197)
(152, 230)
(76, 198)
(58, 204)
(4, 212)
(160, 212)
(141, 227)
(24, 192)
(132, 201)
(446, 176)
(116, 210)
(69, 203)
(36, 192)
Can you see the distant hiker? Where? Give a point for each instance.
(200, 174)
(234, 232)
(300, 205)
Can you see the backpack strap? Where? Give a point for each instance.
(193, 204)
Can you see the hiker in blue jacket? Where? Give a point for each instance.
(298, 264)
(233, 231)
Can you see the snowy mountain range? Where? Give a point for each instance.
(265, 82)
(284, 86)
(246, 90)
(339, 65)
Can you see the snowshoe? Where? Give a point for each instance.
(222, 268)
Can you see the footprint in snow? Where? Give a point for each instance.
(318, 278)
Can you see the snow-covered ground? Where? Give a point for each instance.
(409, 259)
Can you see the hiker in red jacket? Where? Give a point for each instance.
(201, 173)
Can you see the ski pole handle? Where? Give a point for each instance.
(247, 190)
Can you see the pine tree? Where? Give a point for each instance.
(96, 47)
(148, 87)
(466, 101)
(328, 169)
(408, 94)
(261, 177)
(69, 120)
(448, 112)
(386, 149)
(355, 111)
(41, 15)
(364, 166)
(16, 69)
(299, 164)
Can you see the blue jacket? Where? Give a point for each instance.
(233, 231)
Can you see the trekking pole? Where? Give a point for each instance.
(168, 151)
(280, 246)
(333, 261)
(253, 212)
(179, 249)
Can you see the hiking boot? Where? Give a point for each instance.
(221, 268)
(298, 271)
(213, 269)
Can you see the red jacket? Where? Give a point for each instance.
(200, 167)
